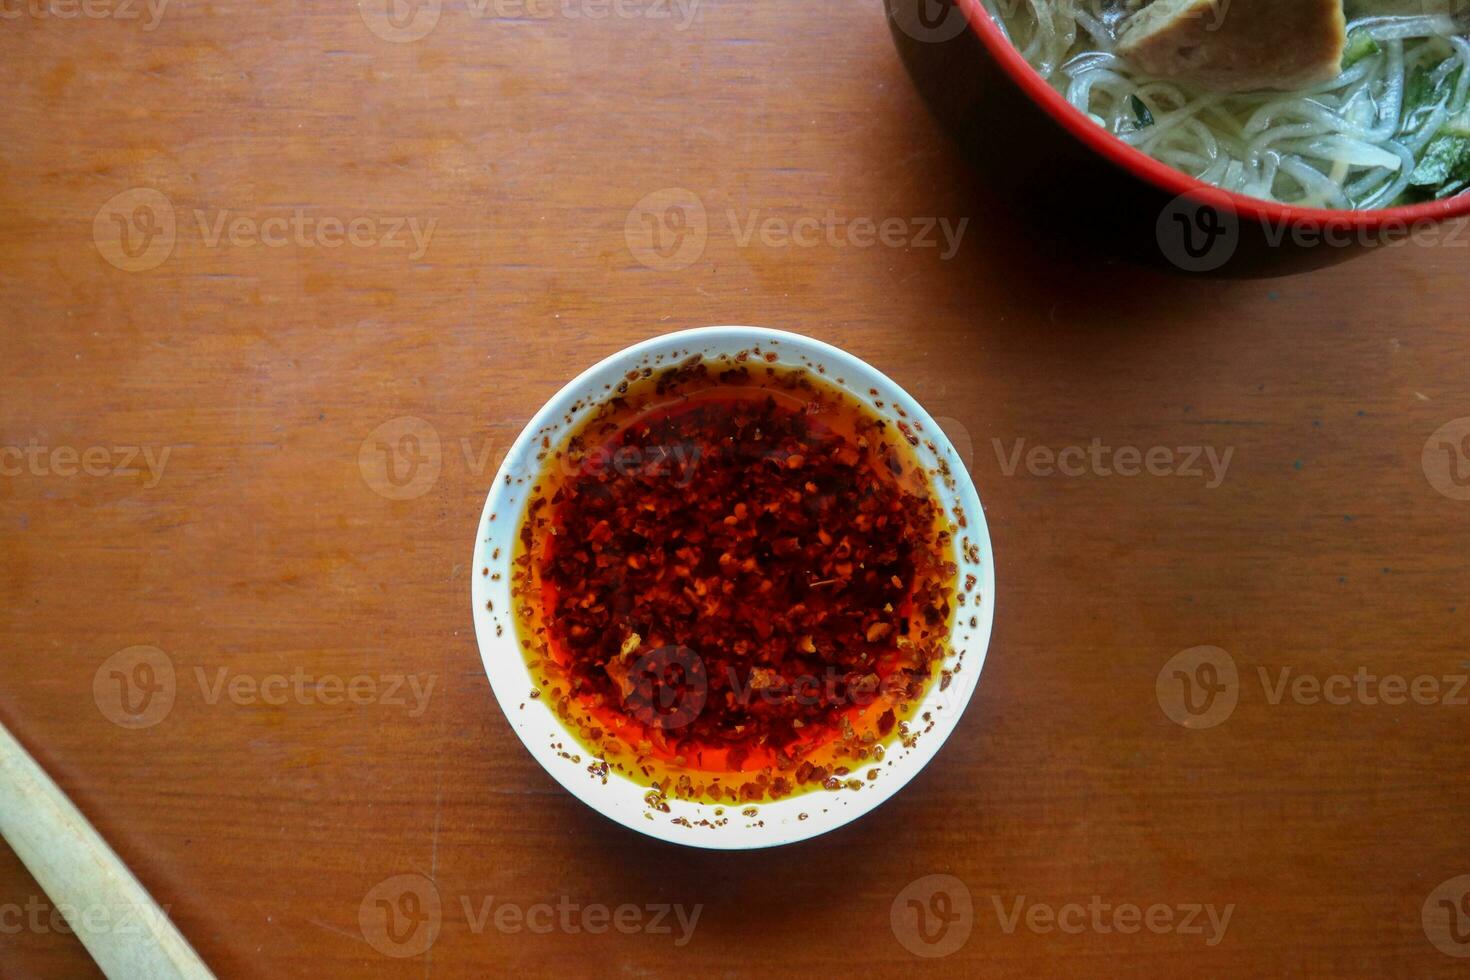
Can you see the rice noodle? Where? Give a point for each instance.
(1349, 143)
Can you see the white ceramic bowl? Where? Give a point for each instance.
(779, 822)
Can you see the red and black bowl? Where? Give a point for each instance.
(1034, 147)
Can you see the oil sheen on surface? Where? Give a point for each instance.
(733, 581)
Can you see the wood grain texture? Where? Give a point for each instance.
(262, 551)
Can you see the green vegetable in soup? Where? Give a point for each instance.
(1360, 45)
(1444, 164)
(1444, 167)
(1141, 113)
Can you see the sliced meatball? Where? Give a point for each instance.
(1238, 45)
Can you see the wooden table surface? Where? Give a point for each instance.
(213, 300)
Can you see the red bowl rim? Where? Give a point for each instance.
(1146, 168)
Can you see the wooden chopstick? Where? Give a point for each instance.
(121, 926)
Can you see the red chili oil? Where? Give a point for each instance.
(733, 581)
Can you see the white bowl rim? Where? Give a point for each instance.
(533, 720)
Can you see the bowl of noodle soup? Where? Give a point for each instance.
(1168, 124)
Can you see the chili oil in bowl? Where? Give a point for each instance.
(733, 587)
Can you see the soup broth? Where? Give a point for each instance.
(1392, 128)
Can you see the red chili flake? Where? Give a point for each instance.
(735, 572)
